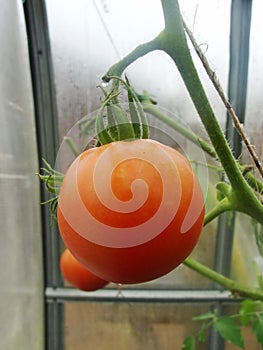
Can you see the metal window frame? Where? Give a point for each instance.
(46, 120)
(47, 137)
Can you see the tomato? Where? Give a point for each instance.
(77, 275)
(130, 211)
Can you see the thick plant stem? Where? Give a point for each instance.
(141, 50)
(215, 81)
(172, 40)
(174, 43)
(223, 206)
(234, 287)
(253, 181)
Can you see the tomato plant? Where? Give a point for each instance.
(133, 211)
(130, 211)
(77, 275)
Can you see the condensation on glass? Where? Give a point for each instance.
(21, 275)
(87, 37)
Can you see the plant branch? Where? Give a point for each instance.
(151, 109)
(140, 51)
(223, 206)
(148, 107)
(234, 287)
(172, 40)
(253, 181)
(174, 43)
(213, 77)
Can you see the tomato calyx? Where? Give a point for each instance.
(115, 123)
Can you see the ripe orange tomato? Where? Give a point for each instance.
(77, 275)
(130, 211)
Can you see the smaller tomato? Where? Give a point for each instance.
(77, 275)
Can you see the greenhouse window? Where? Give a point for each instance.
(213, 299)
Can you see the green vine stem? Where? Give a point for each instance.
(172, 40)
(241, 197)
(234, 287)
(53, 181)
(216, 83)
(253, 181)
(175, 44)
(141, 50)
(150, 108)
(223, 206)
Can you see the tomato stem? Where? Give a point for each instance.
(141, 50)
(157, 113)
(223, 206)
(172, 40)
(234, 287)
(148, 107)
(114, 123)
(175, 45)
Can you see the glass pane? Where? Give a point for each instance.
(245, 251)
(140, 326)
(129, 326)
(89, 36)
(21, 275)
(255, 81)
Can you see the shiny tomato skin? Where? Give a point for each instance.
(156, 256)
(77, 275)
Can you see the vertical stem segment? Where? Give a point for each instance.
(173, 41)
(175, 45)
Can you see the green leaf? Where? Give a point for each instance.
(207, 316)
(202, 333)
(189, 343)
(258, 328)
(226, 327)
(248, 306)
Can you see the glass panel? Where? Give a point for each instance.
(254, 120)
(129, 326)
(139, 326)
(245, 251)
(21, 286)
(87, 37)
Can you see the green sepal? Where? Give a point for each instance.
(102, 133)
(137, 112)
(120, 127)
